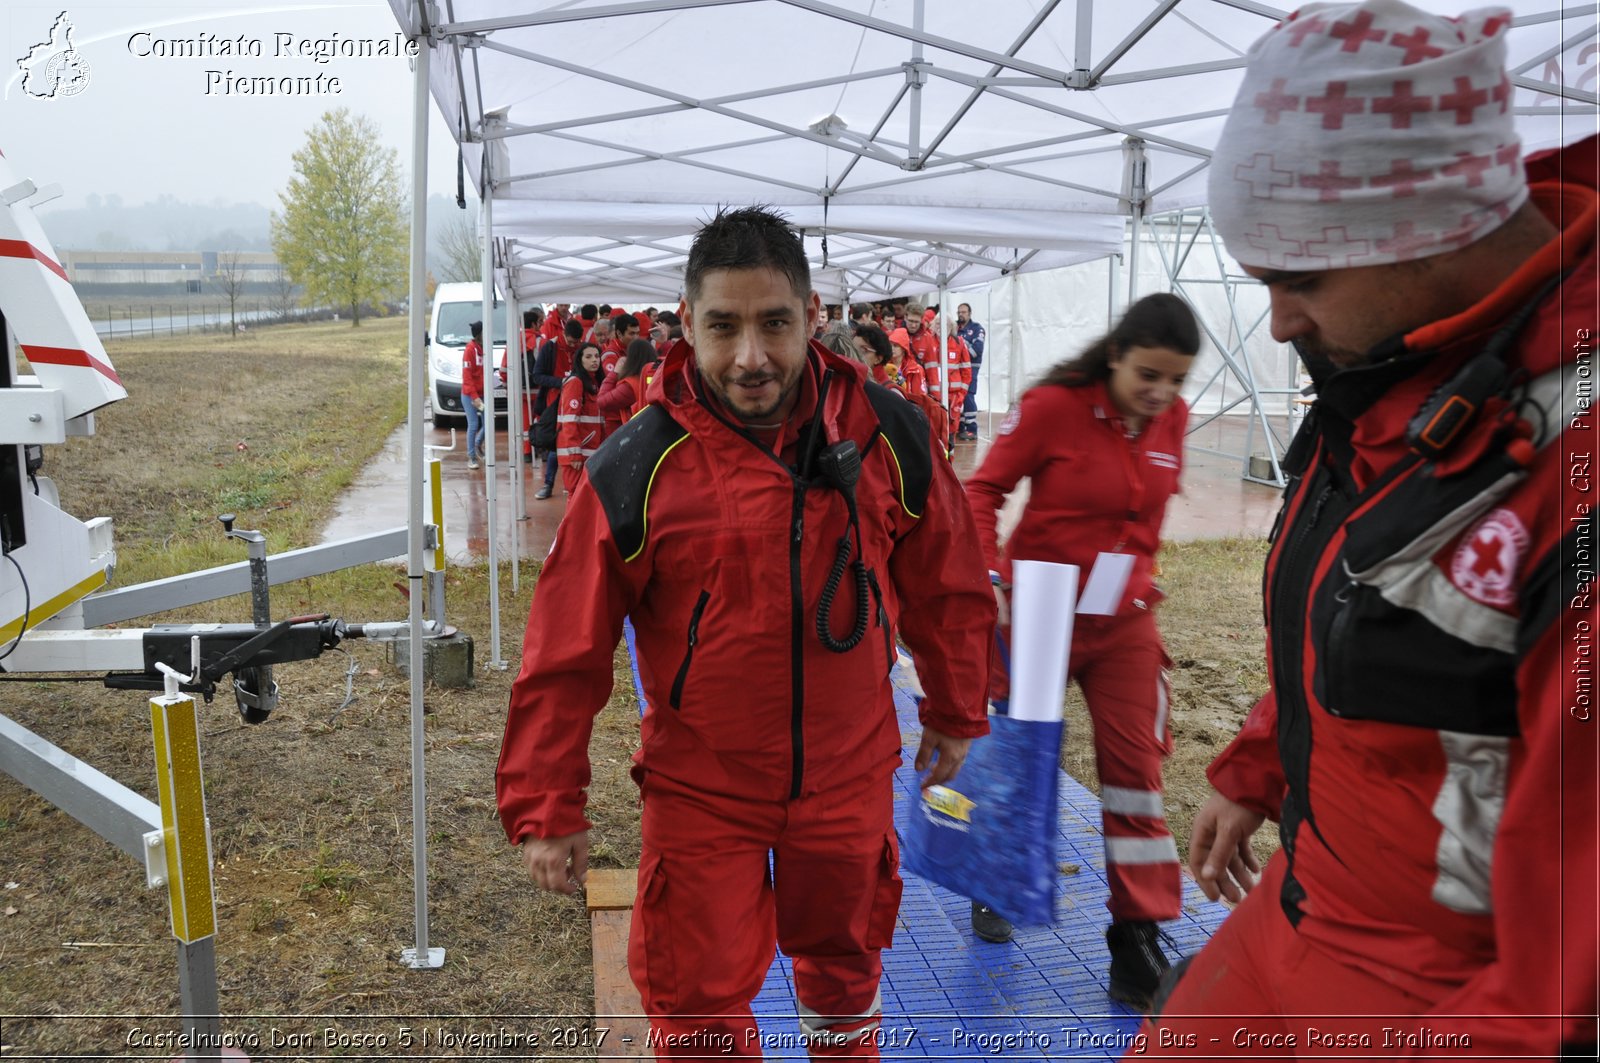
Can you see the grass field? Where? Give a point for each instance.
(311, 811)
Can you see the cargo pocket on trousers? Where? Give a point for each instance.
(650, 956)
(886, 898)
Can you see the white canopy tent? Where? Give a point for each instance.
(921, 144)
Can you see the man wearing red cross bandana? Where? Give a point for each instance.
(1428, 744)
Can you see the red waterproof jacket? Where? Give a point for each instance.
(719, 553)
(1429, 741)
(580, 427)
(618, 397)
(1094, 489)
(472, 370)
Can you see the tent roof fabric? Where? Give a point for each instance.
(993, 136)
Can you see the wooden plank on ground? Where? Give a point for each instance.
(616, 1001)
(610, 888)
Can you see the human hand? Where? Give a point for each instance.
(477, 404)
(944, 753)
(557, 864)
(1220, 857)
(1004, 619)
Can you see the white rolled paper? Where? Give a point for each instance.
(1044, 596)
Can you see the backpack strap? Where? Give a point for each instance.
(623, 470)
(903, 428)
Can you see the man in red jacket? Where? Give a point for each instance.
(1428, 743)
(722, 519)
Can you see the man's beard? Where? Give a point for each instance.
(761, 415)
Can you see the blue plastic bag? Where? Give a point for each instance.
(991, 833)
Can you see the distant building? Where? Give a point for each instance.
(163, 272)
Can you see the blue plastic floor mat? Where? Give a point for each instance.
(1042, 995)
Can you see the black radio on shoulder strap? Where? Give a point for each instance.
(1450, 410)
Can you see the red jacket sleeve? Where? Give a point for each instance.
(617, 396)
(1248, 772)
(583, 593)
(1023, 438)
(1543, 879)
(947, 613)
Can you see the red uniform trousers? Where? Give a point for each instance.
(1120, 664)
(711, 909)
(1259, 989)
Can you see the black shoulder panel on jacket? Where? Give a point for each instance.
(905, 431)
(623, 469)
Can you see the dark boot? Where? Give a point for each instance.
(1137, 962)
(989, 924)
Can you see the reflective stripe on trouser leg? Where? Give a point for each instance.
(842, 1037)
(1121, 666)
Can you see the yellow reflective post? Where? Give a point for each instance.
(176, 728)
(436, 514)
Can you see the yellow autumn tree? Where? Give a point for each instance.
(342, 233)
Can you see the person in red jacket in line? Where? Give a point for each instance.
(555, 324)
(580, 427)
(960, 374)
(1101, 436)
(624, 330)
(1428, 742)
(914, 383)
(622, 388)
(472, 393)
(769, 737)
(532, 323)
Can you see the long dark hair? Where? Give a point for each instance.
(1159, 320)
(590, 384)
(640, 353)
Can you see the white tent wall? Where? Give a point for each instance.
(1056, 313)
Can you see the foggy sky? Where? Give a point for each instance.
(145, 126)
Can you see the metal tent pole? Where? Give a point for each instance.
(1015, 354)
(486, 267)
(514, 423)
(421, 956)
(1136, 191)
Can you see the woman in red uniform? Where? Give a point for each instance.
(580, 426)
(1101, 436)
(622, 388)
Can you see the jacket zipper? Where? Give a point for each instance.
(797, 646)
(694, 637)
(1333, 652)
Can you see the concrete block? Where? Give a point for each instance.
(446, 661)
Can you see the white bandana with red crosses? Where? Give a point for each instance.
(1365, 134)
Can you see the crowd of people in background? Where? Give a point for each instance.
(570, 408)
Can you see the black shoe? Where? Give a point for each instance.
(544, 492)
(1137, 962)
(989, 924)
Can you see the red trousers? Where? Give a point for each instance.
(723, 881)
(1121, 666)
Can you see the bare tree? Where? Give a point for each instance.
(459, 256)
(280, 294)
(230, 279)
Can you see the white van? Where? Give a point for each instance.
(456, 306)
